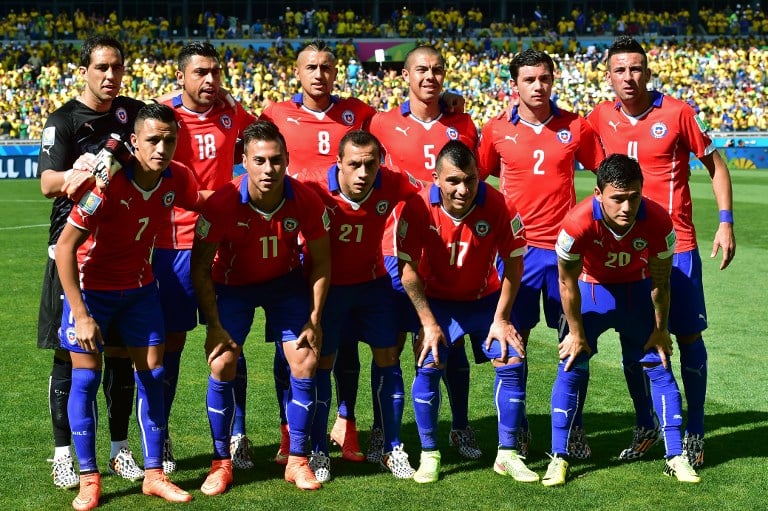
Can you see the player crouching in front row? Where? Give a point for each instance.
(106, 247)
(447, 240)
(614, 263)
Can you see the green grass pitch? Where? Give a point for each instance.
(734, 476)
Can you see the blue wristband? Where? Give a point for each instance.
(726, 215)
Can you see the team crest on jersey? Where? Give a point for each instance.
(482, 228)
(639, 244)
(71, 337)
(659, 129)
(168, 199)
(564, 136)
(348, 117)
(290, 224)
(202, 227)
(565, 241)
(121, 114)
(226, 121)
(382, 207)
(453, 133)
(89, 203)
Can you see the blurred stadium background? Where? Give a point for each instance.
(712, 55)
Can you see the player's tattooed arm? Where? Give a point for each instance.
(431, 335)
(217, 340)
(660, 339)
(575, 342)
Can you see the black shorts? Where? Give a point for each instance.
(49, 317)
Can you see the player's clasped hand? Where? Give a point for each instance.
(430, 338)
(571, 347)
(88, 334)
(662, 342)
(507, 335)
(217, 342)
(311, 336)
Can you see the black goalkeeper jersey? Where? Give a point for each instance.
(75, 129)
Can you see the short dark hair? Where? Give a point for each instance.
(530, 57)
(626, 44)
(99, 41)
(457, 153)
(156, 111)
(618, 170)
(358, 138)
(423, 48)
(263, 130)
(189, 50)
(317, 45)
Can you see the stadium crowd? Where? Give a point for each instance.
(293, 24)
(38, 77)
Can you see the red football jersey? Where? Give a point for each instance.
(124, 221)
(412, 146)
(207, 146)
(255, 246)
(357, 227)
(457, 257)
(611, 259)
(535, 165)
(313, 137)
(662, 140)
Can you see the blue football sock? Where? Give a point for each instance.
(668, 405)
(509, 396)
(300, 411)
(150, 412)
(578, 419)
(524, 419)
(640, 392)
(241, 389)
(426, 404)
(282, 374)
(220, 402)
(346, 372)
(390, 394)
(171, 365)
(83, 416)
(456, 378)
(693, 362)
(59, 385)
(565, 402)
(118, 384)
(375, 383)
(320, 422)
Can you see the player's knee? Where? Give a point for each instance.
(386, 357)
(688, 339)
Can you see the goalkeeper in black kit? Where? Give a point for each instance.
(84, 139)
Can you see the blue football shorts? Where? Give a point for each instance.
(285, 301)
(368, 306)
(133, 314)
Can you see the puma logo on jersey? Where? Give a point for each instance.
(404, 131)
(332, 209)
(435, 228)
(598, 242)
(513, 139)
(614, 125)
(246, 224)
(126, 203)
(89, 126)
(291, 119)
